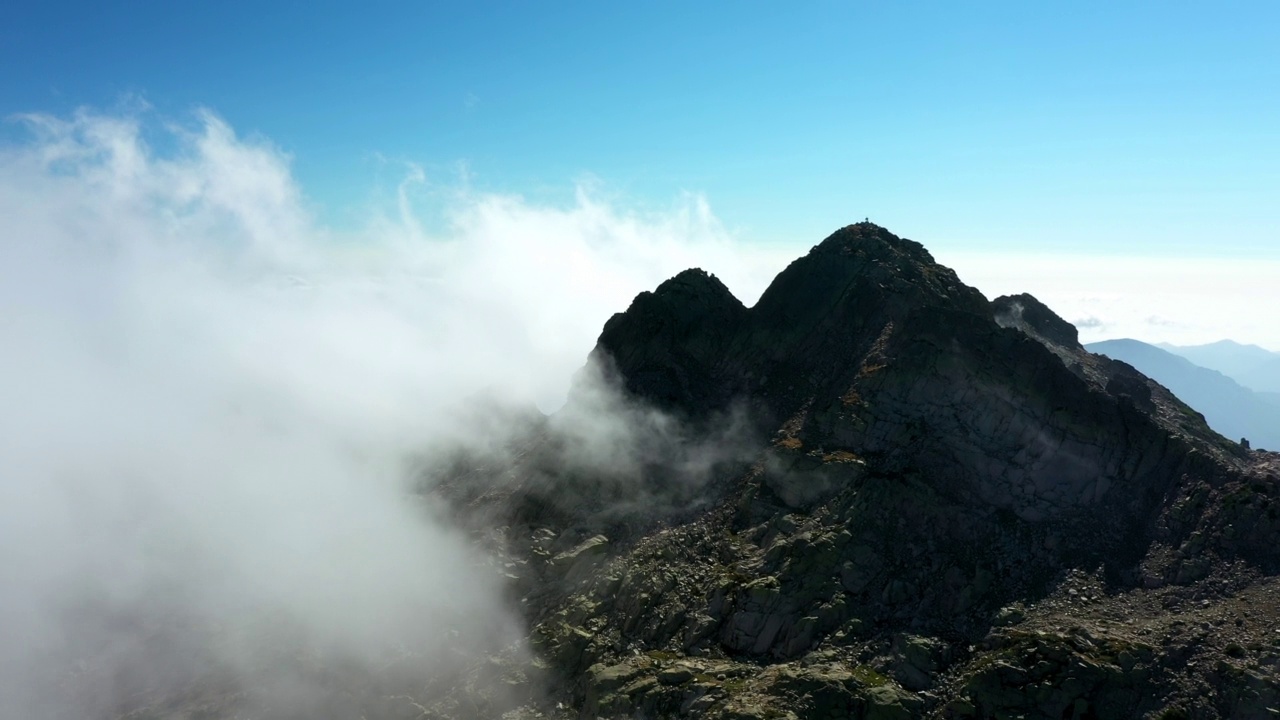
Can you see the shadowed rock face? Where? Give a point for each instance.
(688, 320)
(812, 323)
(868, 348)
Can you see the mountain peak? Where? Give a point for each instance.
(867, 271)
(694, 283)
(872, 252)
(867, 236)
(1033, 317)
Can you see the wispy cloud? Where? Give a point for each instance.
(1163, 322)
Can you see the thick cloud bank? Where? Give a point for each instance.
(210, 406)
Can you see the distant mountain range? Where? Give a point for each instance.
(1253, 367)
(1229, 406)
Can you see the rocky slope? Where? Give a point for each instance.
(945, 507)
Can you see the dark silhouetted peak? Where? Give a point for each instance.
(869, 260)
(667, 341)
(869, 238)
(691, 342)
(689, 300)
(698, 288)
(1024, 312)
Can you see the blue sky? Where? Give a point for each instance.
(1152, 128)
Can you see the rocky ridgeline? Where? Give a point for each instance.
(950, 509)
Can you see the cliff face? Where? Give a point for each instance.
(946, 496)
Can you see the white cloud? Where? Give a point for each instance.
(210, 400)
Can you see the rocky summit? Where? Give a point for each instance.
(940, 507)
